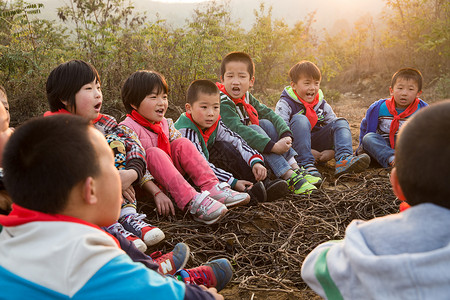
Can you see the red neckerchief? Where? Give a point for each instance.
(20, 215)
(396, 121)
(310, 113)
(65, 111)
(251, 111)
(163, 140)
(207, 133)
(60, 111)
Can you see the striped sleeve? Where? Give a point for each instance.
(250, 155)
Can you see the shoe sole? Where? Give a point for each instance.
(186, 258)
(209, 222)
(277, 191)
(153, 237)
(238, 202)
(263, 194)
(359, 166)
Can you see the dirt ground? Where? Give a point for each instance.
(268, 242)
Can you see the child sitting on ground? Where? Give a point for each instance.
(5, 133)
(169, 155)
(74, 87)
(404, 255)
(314, 124)
(384, 118)
(58, 216)
(257, 124)
(201, 124)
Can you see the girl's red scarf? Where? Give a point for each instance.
(396, 121)
(251, 111)
(207, 133)
(163, 140)
(65, 111)
(310, 113)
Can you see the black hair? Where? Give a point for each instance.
(240, 57)
(306, 68)
(421, 156)
(200, 86)
(66, 80)
(45, 158)
(139, 85)
(408, 74)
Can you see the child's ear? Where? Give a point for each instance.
(396, 185)
(252, 81)
(188, 108)
(418, 94)
(391, 91)
(293, 85)
(89, 195)
(221, 78)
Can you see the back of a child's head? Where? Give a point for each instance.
(304, 68)
(139, 85)
(422, 156)
(238, 57)
(408, 74)
(200, 86)
(45, 158)
(66, 80)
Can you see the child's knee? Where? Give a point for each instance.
(299, 121)
(369, 138)
(341, 123)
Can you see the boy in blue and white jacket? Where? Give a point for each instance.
(58, 216)
(404, 255)
(316, 129)
(228, 154)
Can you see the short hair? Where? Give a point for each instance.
(66, 80)
(408, 74)
(200, 86)
(421, 157)
(240, 57)
(45, 158)
(305, 68)
(139, 85)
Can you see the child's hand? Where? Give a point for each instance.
(163, 204)
(242, 185)
(326, 155)
(213, 291)
(259, 171)
(129, 194)
(316, 155)
(127, 177)
(282, 146)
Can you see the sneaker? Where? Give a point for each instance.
(173, 261)
(299, 185)
(257, 193)
(311, 174)
(352, 163)
(275, 189)
(223, 193)
(118, 228)
(134, 223)
(216, 273)
(205, 209)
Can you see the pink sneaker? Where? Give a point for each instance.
(223, 193)
(205, 209)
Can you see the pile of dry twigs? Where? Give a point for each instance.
(268, 242)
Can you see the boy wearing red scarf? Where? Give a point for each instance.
(229, 156)
(378, 130)
(257, 124)
(318, 132)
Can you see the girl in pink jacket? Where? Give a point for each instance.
(170, 157)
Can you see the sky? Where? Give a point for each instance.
(327, 12)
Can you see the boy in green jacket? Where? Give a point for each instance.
(257, 124)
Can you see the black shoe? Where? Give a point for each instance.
(275, 189)
(257, 193)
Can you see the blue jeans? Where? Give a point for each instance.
(378, 148)
(278, 163)
(335, 135)
(225, 156)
